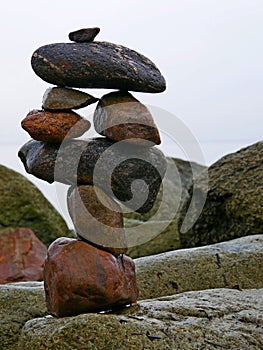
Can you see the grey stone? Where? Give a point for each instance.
(234, 264)
(220, 318)
(96, 65)
(84, 35)
(23, 205)
(19, 302)
(233, 206)
(59, 98)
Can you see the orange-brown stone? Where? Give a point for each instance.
(54, 126)
(97, 218)
(79, 278)
(22, 256)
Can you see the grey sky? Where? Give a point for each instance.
(210, 52)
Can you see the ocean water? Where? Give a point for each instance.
(56, 193)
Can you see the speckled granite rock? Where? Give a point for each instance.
(96, 65)
(234, 264)
(233, 206)
(23, 205)
(19, 302)
(220, 318)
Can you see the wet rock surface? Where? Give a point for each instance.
(23, 205)
(233, 206)
(96, 65)
(58, 98)
(117, 170)
(220, 318)
(97, 218)
(84, 35)
(119, 116)
(80, 278)
(22, 256)
(54, 126)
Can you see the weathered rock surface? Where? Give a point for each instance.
(234, 200)
(84, 35)
(59, 98)
(96, 65)
(120, 116)
(133, 174)
(19, 302)
(80, 278)
(97, 218)
(23, 205)
(221, 318)
(22, 256)
(234, 264)
(54, 126)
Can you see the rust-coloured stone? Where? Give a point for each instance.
(134, 174)
(120, 116)
(59, 98)
(96, 223)
(54, 126)
(22, 255)
(84, 35)
(80, 278)
(97, 65)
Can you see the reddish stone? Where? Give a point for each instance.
(54, 126)
(79, 278)
(119, 116)
(98, 224)
(22, 256)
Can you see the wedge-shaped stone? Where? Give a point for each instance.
(96, 65)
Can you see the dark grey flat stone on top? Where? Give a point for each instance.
(96, 65)
(84, 35)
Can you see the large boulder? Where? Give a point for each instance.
(19, 302)
(211, 319)
(23, 205)
(233, 206)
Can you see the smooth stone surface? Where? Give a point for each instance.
(211, 319)
(84, 35)
(22, 256)
(54, 126)
(233, 264)
(59, 98)
(97, 218)
(120, 116)
(80, 278)
(118, 165)
(233, 207)
(19, 302)
(23, 205)
(96, 65)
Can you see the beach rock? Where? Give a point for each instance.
(84, 35)
(23, 205)
(96, 65)
(97, 218)
(120, 116)
(54, 126)
(80, 278)
(59, 98)
(211, 319)
(19, 302)
(22, 256)
(234, 264)
(233, 206)
(132, 174)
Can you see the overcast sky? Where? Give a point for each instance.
(210, 52)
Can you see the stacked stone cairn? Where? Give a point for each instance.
(91, 273)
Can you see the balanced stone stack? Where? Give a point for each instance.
(92, 273)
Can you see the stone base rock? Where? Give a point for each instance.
(22, 256)
(211, 319)
(81, 278)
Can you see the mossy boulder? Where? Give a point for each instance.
(23, 205)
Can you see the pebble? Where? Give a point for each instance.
(84, 35)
